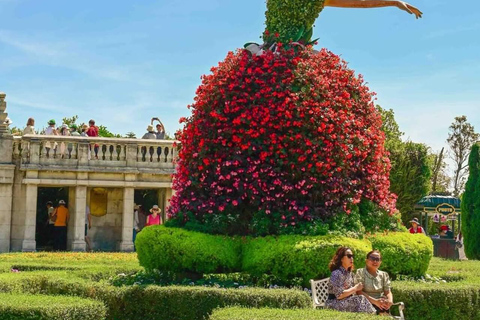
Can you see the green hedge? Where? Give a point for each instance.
(430, 301)
(404, 253)
(289, 259)
(41, 307)
(303, 257)
(179, 250)
(152, 302)
(236, 313)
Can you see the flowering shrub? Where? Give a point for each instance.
(277, 140)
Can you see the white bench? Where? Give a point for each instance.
(320, 295)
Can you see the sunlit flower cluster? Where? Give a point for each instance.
(285, 132)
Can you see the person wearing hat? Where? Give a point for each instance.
(445, 232)
(73, 130)
(160, 129)
(50, 131)
(150, 133)
(62, 216)
(83, 133)
(155, 217)
(416, 227)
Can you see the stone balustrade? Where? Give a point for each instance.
(70, 152)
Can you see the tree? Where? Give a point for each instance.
(440, 179)
(461, 137)
(409, 176)
(130, 135)
(471, 206)
(410, 172)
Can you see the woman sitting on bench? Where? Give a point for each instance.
(341, 291)
(376, 283)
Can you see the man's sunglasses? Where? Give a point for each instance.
(350, 256)
(374, 259)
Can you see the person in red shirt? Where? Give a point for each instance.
(416, 227)
(92, 131)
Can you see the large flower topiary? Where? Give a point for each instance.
(280, 135)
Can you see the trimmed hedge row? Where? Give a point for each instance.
(287, 258)
(429, 301)
(290, 257)
(41, 307)
(153, 302)
(179, 250)
(236, 313)
(404, 253)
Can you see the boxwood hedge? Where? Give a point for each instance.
(290, 257)
(236, 313)
(42, 307)
(404, 253)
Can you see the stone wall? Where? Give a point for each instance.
(106, 231)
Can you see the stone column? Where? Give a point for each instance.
(29, 243)
(77, 203)
(127, 220)
(6, 195)
(169, 192)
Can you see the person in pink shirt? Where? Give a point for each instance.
(155, 217)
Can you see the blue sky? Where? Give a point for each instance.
(122, 62)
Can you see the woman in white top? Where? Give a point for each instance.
(29, 129)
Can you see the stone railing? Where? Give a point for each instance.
(75, 151)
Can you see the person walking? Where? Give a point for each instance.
(62, 216)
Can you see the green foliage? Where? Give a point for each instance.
(460, 139)
(237, 313)
(41, 307)
(471, 206)
(296, 259)
(288, 259)
(410, 175)
(153, 302)
(178, 250)
(404, 253)
(291, 19)
(410, 162)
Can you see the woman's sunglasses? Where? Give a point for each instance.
(350, 256)
(375, 259)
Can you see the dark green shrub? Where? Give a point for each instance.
(236, 313)
(471, 206)
(178, 250)
(403, 253)
(41, 307)
(292, 259)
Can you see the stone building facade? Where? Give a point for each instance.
(83, 165)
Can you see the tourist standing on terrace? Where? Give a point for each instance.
(341, 291)
(160, 134)
(61, 221)
(155, 217)
(150, 133)
(51, 131)
(29, 129)
(92, 131)
(73, 130)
